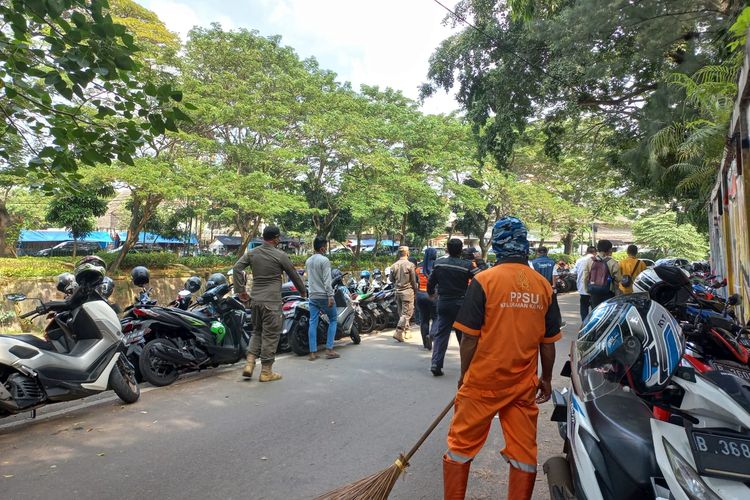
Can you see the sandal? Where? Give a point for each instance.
(332, 355)
(312, 356)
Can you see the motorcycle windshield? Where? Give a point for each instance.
(602, 356)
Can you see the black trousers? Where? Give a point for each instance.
(585, 305)
(427, 315)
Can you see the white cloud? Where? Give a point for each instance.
(385, 43)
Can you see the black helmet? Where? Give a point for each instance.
(66, 282)
(662, 283)
(106, 287)
(193, 284)
(90, 270)
(215, 280)
(336, 275)
(140, 276)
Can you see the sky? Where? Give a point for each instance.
(382, 42)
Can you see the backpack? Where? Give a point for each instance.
(599, 277)
(627, 279)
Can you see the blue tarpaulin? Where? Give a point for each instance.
(371, 243)
(53, 236)
(146, 237)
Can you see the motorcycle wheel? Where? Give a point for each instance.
(355, 334)
(563, 286)
(366, 322)
(298, 339)
(380, 322)
(122, 381)
(156, 371)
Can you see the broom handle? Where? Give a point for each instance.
(427, 433)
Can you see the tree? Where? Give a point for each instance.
(76, 211)
(605, 62)
(71, 89)
(664, 234)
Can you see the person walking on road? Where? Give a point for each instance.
(449, 279)
(318, 270)
(630, 267)
(544, 265)
(602, 275)
(510, 318)
(579, 268)
(404, 277)
(266, 263)
(425, 304)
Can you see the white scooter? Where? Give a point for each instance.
(688, 441)
(81, 355)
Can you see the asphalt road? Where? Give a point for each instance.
(216, 435)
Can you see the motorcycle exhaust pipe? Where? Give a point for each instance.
(559, 479)
(175, 356)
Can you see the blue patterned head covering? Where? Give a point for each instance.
(509, 239)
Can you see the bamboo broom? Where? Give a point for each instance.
(379, 485)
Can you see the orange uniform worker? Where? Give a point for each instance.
(509, 318)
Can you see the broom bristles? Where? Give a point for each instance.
(374, 487)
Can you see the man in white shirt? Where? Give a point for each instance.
(580, 266)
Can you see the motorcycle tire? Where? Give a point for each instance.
(122, 381)
(366, 322)
(356, 338)
(154, 370)
(380, 322)
(298, 339)
(563, 286)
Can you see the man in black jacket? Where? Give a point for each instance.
(450, 277)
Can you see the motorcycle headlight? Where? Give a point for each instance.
(689, 479)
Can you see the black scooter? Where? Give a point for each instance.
(176, 340)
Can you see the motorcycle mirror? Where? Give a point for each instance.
(733, 300)
(16, 297)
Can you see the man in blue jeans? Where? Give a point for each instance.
(449, 278)
(320, 291)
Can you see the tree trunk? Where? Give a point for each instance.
(6, 249)
(568, 242)
(359, 243)
(75, 247)
(247, 235)
(136, 226)
(403, 241)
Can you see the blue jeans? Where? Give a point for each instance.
(447, 310)
(316, 307)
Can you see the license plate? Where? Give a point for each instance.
(742, 373)
(722, 454)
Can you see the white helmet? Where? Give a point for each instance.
(661, 282)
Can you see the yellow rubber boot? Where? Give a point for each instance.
(267, 374)
(249, 366)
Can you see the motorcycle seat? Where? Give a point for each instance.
(623, 422)
(32, 340)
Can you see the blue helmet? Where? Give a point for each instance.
(509, 238)
(628, 339)
(365, 274)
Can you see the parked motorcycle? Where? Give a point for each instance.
(637, 422)
(565, 281)
(297, 318)
(207, 336)
(82, 354)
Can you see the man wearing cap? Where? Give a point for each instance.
(544, 264)
(267, 264)
(404, 277)
(510, 318)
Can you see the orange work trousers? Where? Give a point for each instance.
(518, 414)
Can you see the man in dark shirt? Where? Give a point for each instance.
(267, 263)
(543, 264)
(450, 277)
